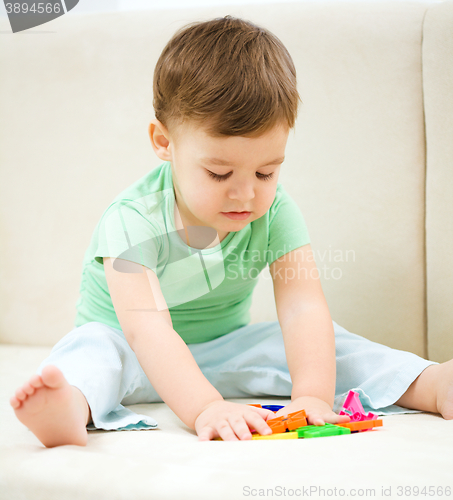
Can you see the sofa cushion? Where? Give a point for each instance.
(170, 463)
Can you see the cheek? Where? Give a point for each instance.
(268, 196)
(204, 196)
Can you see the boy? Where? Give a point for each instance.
(168, 276)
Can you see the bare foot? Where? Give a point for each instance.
(445, 390)
(56, 412)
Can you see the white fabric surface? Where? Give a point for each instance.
(170, 462)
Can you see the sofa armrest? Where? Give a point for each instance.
(438, 102)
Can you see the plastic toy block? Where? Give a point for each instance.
(359, 417)
(273, 408)
(314, 431)
(296, 422)
(362, 425)
(277, 425)
(291, 422)
(279, 435)
(354, 409)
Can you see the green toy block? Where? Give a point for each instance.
(313, 431)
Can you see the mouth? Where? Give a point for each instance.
(237, 215)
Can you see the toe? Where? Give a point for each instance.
(20, 394)
(53, 377)
(14, 402)
(28, 389)
(36, 381)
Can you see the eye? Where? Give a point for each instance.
(264, 177)
(220, 178)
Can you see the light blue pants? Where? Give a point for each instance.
(248, 362)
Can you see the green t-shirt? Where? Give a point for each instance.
(209, 291)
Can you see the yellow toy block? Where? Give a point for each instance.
(280, 435)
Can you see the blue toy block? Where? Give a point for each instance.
(272, 407)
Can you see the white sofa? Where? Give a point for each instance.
(370, 164)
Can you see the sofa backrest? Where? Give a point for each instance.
(75, 103)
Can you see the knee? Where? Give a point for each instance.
(97, 326)
(91, 346)
(104, 333)
(95, 330)
(94, 339)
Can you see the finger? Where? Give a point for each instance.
(339, 419)
(257, 423)
(240, 428)
(225, 431)
(270, 415)
(206, 434)
(263, 412)
(334, 418)
(315, 419)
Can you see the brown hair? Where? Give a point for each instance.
(227, 74)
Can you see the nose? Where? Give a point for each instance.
(242, 191)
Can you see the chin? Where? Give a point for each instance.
(238, 224)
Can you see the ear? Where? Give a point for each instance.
(160, 139)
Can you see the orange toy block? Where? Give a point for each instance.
(291, 422)
(277, 425)
(296, 420)
(362, 425)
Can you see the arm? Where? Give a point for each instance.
(165, 358)
(307, 331)
(163, 355)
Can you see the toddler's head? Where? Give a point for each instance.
(225, 98)
(228, 75)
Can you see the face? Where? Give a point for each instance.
(214, 178)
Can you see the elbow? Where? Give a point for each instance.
(135, 335)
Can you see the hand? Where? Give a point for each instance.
(318, 411)
(231, 421)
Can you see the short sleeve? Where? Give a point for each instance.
(287, 228)
(126, 231)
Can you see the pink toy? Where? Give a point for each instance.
(354, 408)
